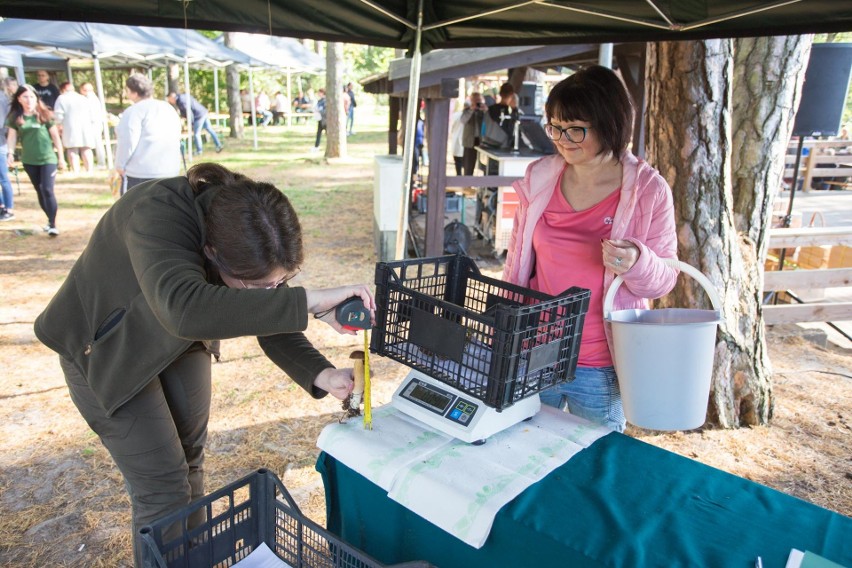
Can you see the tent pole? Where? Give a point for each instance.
(605, 55)
(289, 99)
(189, 127)
(99, 83)
(410, 127)
(216, 96)
(253, 108)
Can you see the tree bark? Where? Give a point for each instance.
(768, 74)
(174, 78)
(336, 120)
(235, 104)
(689, 141)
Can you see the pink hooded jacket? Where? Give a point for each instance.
(645, 217)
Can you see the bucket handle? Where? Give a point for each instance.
(674, 263)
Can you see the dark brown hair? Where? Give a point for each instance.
(251, 226)
(16, 110)
(595, 95)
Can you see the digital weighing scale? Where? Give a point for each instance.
(455, 413)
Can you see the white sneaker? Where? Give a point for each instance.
(314, 149)
(53, 232)
(46, 228)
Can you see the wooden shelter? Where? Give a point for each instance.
(439, 86)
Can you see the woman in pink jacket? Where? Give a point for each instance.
(587, 214)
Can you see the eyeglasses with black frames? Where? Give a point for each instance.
(575, 134)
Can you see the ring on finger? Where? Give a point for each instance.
(618, 261)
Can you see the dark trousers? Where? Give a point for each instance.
(458, 161)
(469, 158)
(320, 128)
(43, 178)
(131, 182)
(157, 438)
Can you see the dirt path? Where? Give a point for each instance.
(62, 501)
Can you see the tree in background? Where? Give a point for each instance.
(232, 86)
(336, 119)
(718, 120)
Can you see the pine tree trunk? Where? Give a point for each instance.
(235, 104)
(336, 145)
(689, 142)
(768, 73)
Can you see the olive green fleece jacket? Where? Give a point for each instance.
(140, 295)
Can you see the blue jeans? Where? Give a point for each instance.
(593, 395)
(8, 199)
(350, 119)
(203, 123)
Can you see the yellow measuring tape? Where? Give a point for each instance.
(368, 415)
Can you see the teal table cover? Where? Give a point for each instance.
(619, 503)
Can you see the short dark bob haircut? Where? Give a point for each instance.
(595, 95)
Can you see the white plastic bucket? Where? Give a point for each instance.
(664, 358)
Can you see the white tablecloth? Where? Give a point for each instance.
(457, 486)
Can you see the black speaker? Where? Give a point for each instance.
(531, 99)
(824, 91)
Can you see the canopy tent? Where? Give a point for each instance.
(284, 53)
(280, 52)
(120, 44)
(482, 23)
(22, 58)
(11, 58)
(422, 25)
(125, 44)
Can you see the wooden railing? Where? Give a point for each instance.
(799, 281)
(828, 161)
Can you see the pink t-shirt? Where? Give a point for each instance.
(568, 253)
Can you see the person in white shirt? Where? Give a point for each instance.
(97, 115)
(280, 108)
(148, 136)
(72, 112)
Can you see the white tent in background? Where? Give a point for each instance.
(22, 59)
(11, 58)
(130, 45)
(284, 53)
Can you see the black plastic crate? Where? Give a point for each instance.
(238, 518)
(495, 341)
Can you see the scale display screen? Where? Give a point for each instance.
(440, 402)
(428, 396)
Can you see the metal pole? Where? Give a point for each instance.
(188, 109)
(289, 100)
(410, 127)
(605, 55)
(253, 109)
(788, 218)
(99, 83)
(216, 97)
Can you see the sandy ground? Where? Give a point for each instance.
(62, 501)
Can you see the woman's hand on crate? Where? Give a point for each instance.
(336, 382)
(321, 303)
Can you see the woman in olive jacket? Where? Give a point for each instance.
(171, 268)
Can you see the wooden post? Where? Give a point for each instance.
(437, 121)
